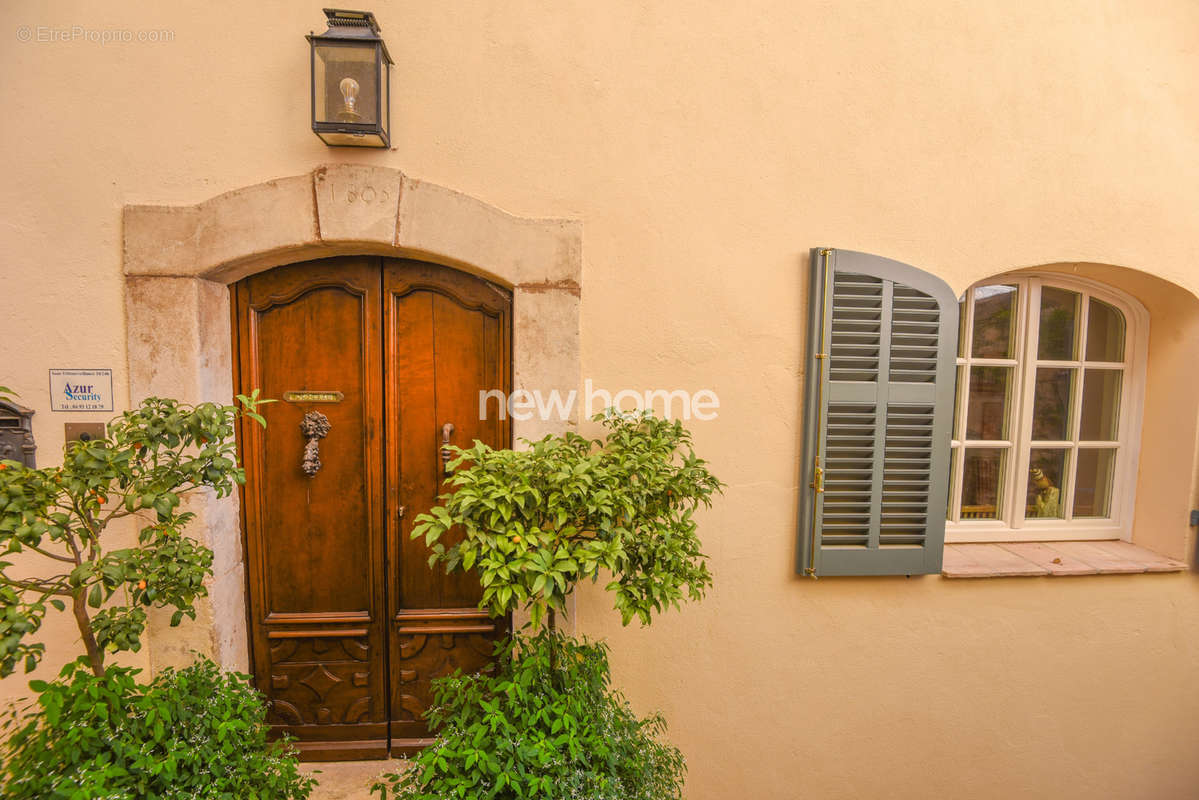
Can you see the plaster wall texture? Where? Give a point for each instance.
(705, 147)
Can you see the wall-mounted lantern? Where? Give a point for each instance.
(351, 83)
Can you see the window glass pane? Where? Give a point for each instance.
(1046, 484)
(1093, 486)
(994, 318)
(958, 389)
(1059, 320)
(1051, 404)
(987, 402)
(982, 482)
(1100, 405)
(1105, 332)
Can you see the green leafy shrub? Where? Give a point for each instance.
(194, 733)
(546, 725)
(96, 732)
(535, 522)
(151, 457)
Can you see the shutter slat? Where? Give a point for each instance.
(915, 325)
(856, 309)
(849, 474)
(909, 436)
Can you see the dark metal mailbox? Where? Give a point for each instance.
(16, 433)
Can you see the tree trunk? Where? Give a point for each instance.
(94, 654)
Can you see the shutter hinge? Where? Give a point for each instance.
(400, 513)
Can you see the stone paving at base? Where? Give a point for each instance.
(348, 780)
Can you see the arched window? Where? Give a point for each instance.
(1050, 385)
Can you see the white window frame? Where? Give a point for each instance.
(1013, 526)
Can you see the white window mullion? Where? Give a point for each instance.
(1128, 427)
(961, 403)
(1071, 467)
(956, 459)
(1022, 434)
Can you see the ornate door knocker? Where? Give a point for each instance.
(315, 427)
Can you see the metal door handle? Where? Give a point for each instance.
(447, 430)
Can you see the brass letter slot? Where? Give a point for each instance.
(305, 396)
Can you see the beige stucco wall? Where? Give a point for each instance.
(705, 147)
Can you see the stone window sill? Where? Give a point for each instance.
(1012, 559)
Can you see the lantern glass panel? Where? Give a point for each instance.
(385, 95)
(346, 83)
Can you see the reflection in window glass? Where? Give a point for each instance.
(1100, 414)
(1051, 404)
(1046, 484)
(1059, 321)
(994, 322)
(990, 392)
(958, 389)
(1093, 485)
(982, 482)
(1105, 332)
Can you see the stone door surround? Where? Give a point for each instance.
(178, 262)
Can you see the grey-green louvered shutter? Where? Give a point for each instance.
(882, 338)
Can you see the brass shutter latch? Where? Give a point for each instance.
(818, 478)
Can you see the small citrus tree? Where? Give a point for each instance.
(151, 457)
(532, 524)
(196, 733)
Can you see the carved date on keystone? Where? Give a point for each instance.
(360, 194)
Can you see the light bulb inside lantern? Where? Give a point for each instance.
(349, 96)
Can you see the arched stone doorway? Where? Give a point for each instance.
(180, 260)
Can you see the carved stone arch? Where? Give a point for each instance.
(178, 262)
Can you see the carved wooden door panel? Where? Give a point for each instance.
(446, 340)
(314, 542)
(368, 359)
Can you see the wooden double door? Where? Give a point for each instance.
(370, 359)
